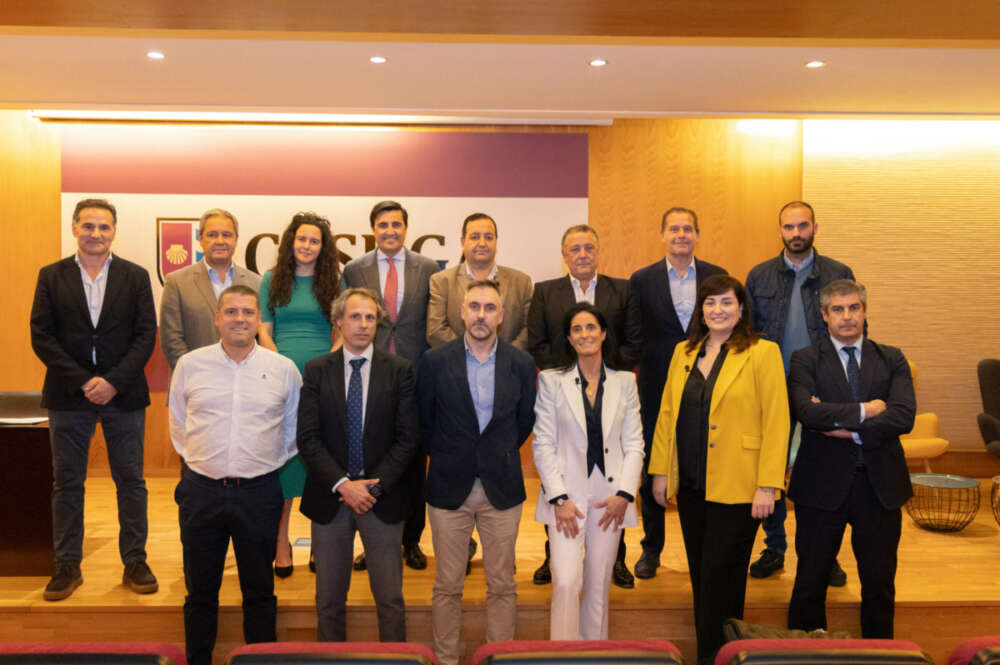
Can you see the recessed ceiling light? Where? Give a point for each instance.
(377, 59)
(598, 62)
(815, 64)
(155, 55)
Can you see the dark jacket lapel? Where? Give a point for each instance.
(830, 365)
(116, 283)
(74, 282)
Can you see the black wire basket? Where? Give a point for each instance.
(944, 502)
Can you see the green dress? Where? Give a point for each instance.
(301, 333)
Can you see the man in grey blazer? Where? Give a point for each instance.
(403, 331)
(190, 295)
(479, 251)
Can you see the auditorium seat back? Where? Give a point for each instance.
(977, 651)
(332, 653)
(821, 652)
(570, 652)
(90, 653)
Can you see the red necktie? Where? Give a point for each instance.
(389, 297)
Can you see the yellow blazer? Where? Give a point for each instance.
(748, 424)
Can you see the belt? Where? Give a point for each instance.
(231, 481)
(860, 467)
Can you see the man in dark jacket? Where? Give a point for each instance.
(784, 299)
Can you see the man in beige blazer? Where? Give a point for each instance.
(190, 295)
(479, 250)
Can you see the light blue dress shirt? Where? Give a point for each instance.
(482, 383)
(683, 291)
(589, 295)
(219, 286)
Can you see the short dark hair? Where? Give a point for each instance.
(482, 284)
(238, 290)
(743, 335)
(580, 228)
(387, 206)
(103, 204)
(842, 287)
(569, 356)
(475, 217)
(678, 209)
(339, 305)
(797, 204)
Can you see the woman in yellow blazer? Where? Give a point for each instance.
(720, 446)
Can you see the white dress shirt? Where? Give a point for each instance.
(93, 290)
(840, 346)
(589, 295)
(234, 420)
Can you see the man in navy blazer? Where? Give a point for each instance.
(93, 325)
(477, 399)
(344, 495)
(403, 332)
(664, 296)
(854, 398)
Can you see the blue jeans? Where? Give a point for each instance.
(70, 433)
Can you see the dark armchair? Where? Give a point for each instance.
(989, 388)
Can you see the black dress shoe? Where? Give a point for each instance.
(140, 578)
(285, 571)
(359, 562)
(645, 567)
(65, 581)
(413, 557)
(768, 564)
(837, 575)
(620, 575)
(543, 575)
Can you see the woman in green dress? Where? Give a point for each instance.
(295, 301)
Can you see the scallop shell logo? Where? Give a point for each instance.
(176, 254)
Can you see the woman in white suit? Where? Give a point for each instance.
(588, 451)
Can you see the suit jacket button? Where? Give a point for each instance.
(605, 450)
(711, 445)
(713, 426)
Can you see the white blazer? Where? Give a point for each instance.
(560, 444)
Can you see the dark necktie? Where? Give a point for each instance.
(853, 373)
(355, 423)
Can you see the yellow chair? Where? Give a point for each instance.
(923, 442)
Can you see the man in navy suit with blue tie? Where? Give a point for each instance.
(664, 296)
(357, 433)
(854, 398)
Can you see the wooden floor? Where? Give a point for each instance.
(948, 587)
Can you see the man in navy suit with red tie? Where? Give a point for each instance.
(854, 398)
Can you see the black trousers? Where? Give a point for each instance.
(416, 520)
(211, 514)
(875, 534)
(719, 540)
(653, 514)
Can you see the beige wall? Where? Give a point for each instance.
(913, 208)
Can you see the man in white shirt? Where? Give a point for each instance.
(232, 420)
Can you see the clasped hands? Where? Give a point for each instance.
(99, 391)
(567, 514)
(356, 495)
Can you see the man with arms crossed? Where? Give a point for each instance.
(93, 325)
(190, 295)
(232, 421)
(403, 279)
(664, 296)
(854, 398)
(784, 300)
(477, 400)
(547, 342)
(357, 434)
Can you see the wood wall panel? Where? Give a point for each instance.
(736, 174)
(29, 198)
(913, 208)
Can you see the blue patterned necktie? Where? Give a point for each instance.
(355, 422)
(853, 373)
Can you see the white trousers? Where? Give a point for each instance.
(576, 616)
